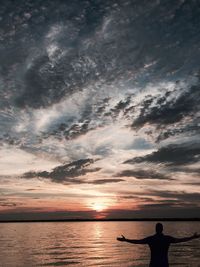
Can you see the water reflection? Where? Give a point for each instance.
(89, 244)
(98, 230)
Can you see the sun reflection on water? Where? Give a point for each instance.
(87, 244)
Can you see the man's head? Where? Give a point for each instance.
(159, 228)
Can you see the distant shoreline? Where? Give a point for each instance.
(108, 220)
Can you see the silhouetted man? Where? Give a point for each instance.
(159, 245)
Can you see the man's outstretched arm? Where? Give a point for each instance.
(133, 241)
(185, 239)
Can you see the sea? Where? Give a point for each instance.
(91, 244)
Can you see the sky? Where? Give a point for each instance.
(99, 109)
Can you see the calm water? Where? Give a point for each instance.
(90, 244)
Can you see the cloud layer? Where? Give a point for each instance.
(101, 96)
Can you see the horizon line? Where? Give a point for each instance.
(102, 220)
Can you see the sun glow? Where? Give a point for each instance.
(99, 205)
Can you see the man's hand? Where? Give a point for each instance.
(121, 238)
(195, 235)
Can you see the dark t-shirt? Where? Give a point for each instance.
(159, 246)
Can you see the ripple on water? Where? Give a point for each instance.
(60, 263)
(96, 245)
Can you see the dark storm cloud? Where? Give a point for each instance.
(171, 155)
(191, 128)
(143, 174)
(77, 129)
(191, 170)
(129, 40)
(71, 128)
(156, 197)
(42, 83)
(174, 113)
(121, 106)
(68, 173)
(170, 204)
(52, 49)
(100, 109)
(157, 206)
(92, 112)
(134, 197)
(181, 196)
(171, 198)
(105, 181)
(169, 109)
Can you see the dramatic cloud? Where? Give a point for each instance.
(143, 174)
(172, 155)
(165, 201)
(67, 171)
(180, 196)
(93, 93)
(169, 108)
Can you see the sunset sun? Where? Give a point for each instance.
(98, 207)
(99, 132)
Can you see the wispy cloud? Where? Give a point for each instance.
(68, 173)
(172, 155)
(144, 174)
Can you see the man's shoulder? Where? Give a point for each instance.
(151, 237)
(168, 237)
(159, 238)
